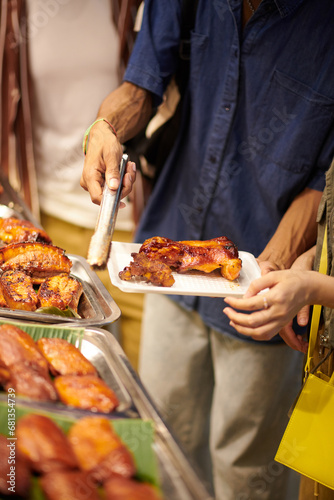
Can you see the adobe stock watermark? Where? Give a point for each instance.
(38, 20)
(249, 149)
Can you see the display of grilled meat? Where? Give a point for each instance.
(18, 291)
(14, 230)
(68, 485)
(87, 392)
(64, 358)
(119, 488)
(62, 291)
(44, 445)
(21, 478)
(198, 255)
(99, 450)
(23, 367)
(152, 271)
(39, 260)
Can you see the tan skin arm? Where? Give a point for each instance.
(295, 234)
(128, 109)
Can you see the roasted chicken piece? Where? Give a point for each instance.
(68, 485)
(87, 392)
(31, 382)
(39, 260)
(14, 473)
(119, 488)
(43, 444)
(22, 365)
(60, 291)
(152, 271)
(203, 256)
(3, 302)
(18, 291)
(17, 346)
(13, 230)
(99, 450)
(64, 358)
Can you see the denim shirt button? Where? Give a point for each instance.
(227, 107)
(212, 159)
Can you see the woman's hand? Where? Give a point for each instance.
(273, 309)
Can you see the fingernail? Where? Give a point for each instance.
(113, 184)
(134, 168)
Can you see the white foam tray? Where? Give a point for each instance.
(191, 283)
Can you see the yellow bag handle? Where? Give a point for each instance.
(316, 309)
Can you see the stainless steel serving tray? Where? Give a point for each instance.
(96, 306)
(178, 479)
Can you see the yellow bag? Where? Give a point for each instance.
(307, 445)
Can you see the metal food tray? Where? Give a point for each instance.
(178, 480)
(94, 346)
(96, 305)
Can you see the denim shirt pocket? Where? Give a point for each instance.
(299, 123)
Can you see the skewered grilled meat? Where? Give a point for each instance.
(13, 230)
(39, 260)
(87, 392)
(199, 255)
(123, 489)
(99, 450)
(152, 271)
(64, 358)
(68, 485)
(44, 445)
(22, 365)
(9, 461)
(3, 302)
(18, 291)
(60, 291)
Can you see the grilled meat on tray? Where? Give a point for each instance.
(18, 291)
(152, 271)
(99, 450)
(203, 256)
(13, 230)
(39, 260)
(64, 358)
(22, 365)
(87, 392)
(119, 488)
(43, 444)
(60, 291)
(68, 485)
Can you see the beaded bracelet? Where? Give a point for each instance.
(85, 140)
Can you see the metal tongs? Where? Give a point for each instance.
(100, 243)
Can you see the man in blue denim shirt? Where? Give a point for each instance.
(256, 138)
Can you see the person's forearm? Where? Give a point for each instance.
(321, 289)
(296, 232)
(128, 108)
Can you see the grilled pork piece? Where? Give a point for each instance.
(21, 477)
(39, 260)
(152, 271)
(87, 392)
(68, 485)
(22, 365)
(119, 488)
(99, 450)
(13, 230)
(43, 444)
(199, 255)
(60, 291)
(18, 291)
(64, 358)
